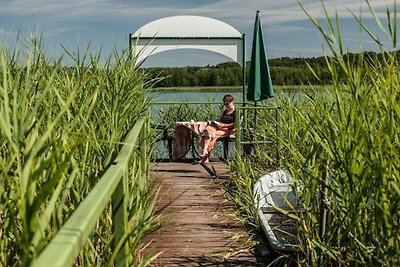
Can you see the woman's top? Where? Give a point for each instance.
(228, 118)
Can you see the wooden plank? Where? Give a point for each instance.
(192, 261)
(201, 225)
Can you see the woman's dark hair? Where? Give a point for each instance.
(228, 98)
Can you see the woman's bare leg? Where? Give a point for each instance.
(205, 142)
(205, 159)
(205, 147)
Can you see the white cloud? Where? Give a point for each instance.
(5, 33)
(272, 11)
(59, 18)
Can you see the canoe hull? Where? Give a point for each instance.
(274, 190)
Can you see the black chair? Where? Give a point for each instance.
(225, 144)
(247, 148)
(163, 135)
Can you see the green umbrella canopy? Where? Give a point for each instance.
(260, 84)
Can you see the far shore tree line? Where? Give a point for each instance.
(284, 71)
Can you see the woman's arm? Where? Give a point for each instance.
(226, 125)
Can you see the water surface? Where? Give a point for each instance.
(193, 96)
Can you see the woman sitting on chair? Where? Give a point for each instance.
(215, 130)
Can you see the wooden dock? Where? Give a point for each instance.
(201, 225)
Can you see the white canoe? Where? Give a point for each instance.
(274, 190)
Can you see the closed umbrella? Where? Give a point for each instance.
(260, 84)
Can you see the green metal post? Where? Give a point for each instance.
(244, 81)
(244, 67)
(238, 132)
(130, 46)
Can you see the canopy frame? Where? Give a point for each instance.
(152, 39)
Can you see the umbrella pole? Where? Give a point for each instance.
(255, 117)
(244, 125)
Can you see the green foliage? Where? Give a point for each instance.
(246, 175)
(61, 127)
(348, 141)
(345, 139)
(284, 71)
(167, 115)
(225, 74)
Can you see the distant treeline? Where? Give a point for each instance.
(284, 71)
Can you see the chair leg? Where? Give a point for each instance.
(226, 148)
(170, 148)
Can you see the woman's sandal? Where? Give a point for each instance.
(203, 156)
(203, 159)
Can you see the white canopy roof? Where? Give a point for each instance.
(187, 26)
(188, 32)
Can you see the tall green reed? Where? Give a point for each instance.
(168, 114)
(341, 147)
(61, 126)
(348, 142)
(240, 188)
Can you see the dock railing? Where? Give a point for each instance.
(66, 245)
(251, 127)
(255, 129)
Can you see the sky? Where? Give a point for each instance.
(104, 25)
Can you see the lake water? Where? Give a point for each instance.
(210, 96)
(193, 96)
(162, 98)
